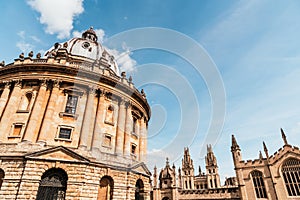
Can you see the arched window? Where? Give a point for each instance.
(109, 117)
(139, 190)
(105, 190)
(259, 185)
(53, 185)
(166, 198)
(1, 177)
(25, 102)
(291, 176)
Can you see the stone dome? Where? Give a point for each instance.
(86, 48)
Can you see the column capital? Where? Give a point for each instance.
(7, 84)
(18, 83)
(92, 90)
(128, 104)
(43, 82)
(56, 83)
(122, 101)
(102, 92)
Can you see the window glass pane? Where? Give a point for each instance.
(65, 133)
(71, 104)
(17, 130)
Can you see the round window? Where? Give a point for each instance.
(85, 45)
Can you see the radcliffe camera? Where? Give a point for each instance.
(149, 100)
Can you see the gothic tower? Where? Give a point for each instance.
(187, 176)
(213, 178)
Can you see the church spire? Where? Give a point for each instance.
(284, 137)
(266, 150)
(234, 144)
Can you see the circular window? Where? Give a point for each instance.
(85, 45)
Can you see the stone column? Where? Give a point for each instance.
(88, 120)
(46, 126)
(120, 128)
(4, 97)
(10, 110)
(98, 136)
(128, 129)
(36, 117)
(143, 140)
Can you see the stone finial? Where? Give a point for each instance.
(130, 79)
(65, 45)
(38, 55)
(266, 150)
(167, 162)
(30, 54)
(2, 63)
(284, 137)
(21, 56)
(260, 156)
(143, 93)
(200, 171)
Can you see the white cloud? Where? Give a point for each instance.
(21, 34)
(24, 47)
(57, 15)
(125, 62)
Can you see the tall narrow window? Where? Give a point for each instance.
(105, 190)
(1, 177)
(259, 186)
(291, 173)
(53, 185)
(25, 102)
(134, 121)
(71, 104)
(109, 117)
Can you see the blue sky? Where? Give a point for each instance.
(254, 45)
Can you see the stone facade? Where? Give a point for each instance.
(72, 126)
(274, 176)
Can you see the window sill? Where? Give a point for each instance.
(22, 111)
(63, 139)
(64, 114)
(106, 146)
(134, 134)
(110, 123)
(14, 136)
(133, 156)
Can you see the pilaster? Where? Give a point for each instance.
(120, 127)
(10, 109)
(88, 120)
(4, 97)
(36, 117)
(128, 129)
(46, 126)
(98, 136)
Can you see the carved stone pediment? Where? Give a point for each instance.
(141, 168)
(59, 153)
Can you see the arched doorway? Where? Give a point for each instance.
(53, 185)
(139, 190)
(105, 190)
(1, 177)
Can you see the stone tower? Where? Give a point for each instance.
(187, 176)
(213, 178)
